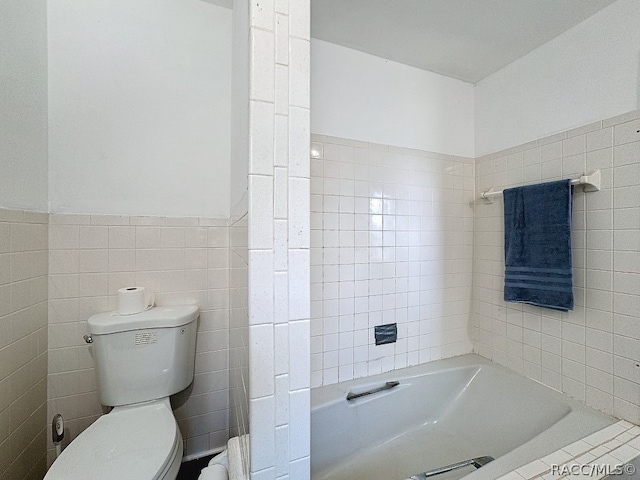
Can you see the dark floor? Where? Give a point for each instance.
(190, 470)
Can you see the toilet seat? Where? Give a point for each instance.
(139, 442)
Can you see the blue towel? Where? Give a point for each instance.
(537, 245)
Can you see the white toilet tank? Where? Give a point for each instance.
(146, 356)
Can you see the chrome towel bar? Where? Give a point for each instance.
(592, 183)
(386, 386)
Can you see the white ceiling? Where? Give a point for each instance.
(464, 39)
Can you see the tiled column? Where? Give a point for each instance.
(279, 242)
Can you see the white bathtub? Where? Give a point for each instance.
(441, 413)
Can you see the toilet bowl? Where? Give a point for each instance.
(140, 360)
(141, 442)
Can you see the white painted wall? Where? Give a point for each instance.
(23, 104)
(359, 96)
(139, 107)
(588, 73)
(240, 108)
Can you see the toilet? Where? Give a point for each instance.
(140, 360)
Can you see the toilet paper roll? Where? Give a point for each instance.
(133, 300)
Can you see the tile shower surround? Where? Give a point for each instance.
(183, 260)
(23, 344)
(593, 352)
(391, 242)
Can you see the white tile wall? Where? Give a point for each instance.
(593, 352)
(184, 261)
(23, 344)
(391, 242)
(278, 233)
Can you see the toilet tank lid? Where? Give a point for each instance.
(156, 317)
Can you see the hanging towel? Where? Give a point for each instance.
(537, 245)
